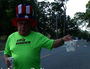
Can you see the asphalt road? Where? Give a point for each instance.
(59, 58)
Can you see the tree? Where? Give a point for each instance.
(47, 18)
(83, 34)
(71, 26)
(8, 12)
(3, 7)
(87, 14)
(44, 13)
(80, 18)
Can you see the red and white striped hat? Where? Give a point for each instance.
(25, 12)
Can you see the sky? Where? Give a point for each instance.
(74, 6)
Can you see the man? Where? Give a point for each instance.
(25, 45)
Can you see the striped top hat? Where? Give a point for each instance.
(25, 12)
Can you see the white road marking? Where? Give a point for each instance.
(45, 56)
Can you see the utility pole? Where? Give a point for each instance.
(56, 28)
(64, 28)
(64, 25)
(64, 7)
(57, 16)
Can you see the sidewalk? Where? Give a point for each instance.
(1, 51)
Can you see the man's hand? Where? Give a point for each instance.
(67, 38)
(7, 62)
(60, 42)
(5, 57)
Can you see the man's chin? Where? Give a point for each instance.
(23, 33)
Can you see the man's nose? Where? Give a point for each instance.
(23, 25)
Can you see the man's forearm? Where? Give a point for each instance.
(60, 42)
(6, 60)
(5, 56)
(57, 43)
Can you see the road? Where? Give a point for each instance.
(59, 58)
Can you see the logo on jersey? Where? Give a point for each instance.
(22, 41)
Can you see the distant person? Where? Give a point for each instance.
(25, 45)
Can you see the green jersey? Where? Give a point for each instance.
(26, 49)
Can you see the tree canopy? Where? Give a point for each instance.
(46, 14)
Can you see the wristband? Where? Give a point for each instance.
(62, 40)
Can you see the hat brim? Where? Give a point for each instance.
(14, 21)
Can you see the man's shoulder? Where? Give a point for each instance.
(36, 33)
(13, 34)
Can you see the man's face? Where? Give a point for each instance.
(24, 27)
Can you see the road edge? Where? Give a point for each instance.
(1, 51)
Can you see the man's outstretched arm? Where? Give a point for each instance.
(60, 42)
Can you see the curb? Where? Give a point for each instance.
(1, 51)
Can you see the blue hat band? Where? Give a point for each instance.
(24, 16)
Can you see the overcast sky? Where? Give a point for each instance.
(74, 6)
